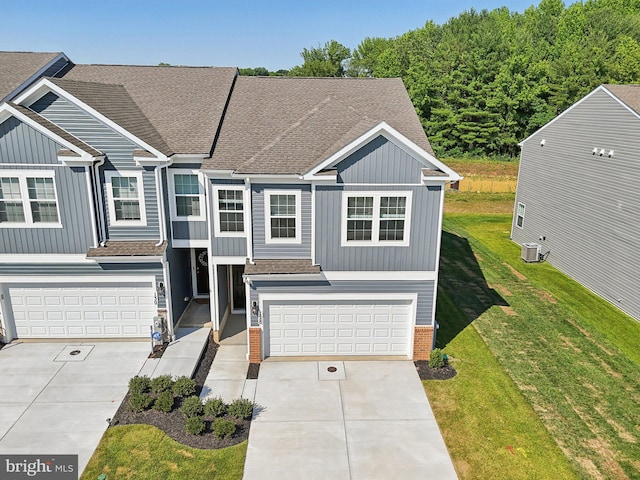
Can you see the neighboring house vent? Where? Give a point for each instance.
(530, 252)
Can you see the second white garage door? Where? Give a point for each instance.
(83, 311)
(339, 328)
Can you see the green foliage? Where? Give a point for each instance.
(192, 407)
(215, 407)
(323, 61)
(163, 383)
(254, 72)
(183, 387)
(139, 402)
(164, 402)
(436, 358)
(241, 408)
(139, 384)
(195, 425)
(223, 428)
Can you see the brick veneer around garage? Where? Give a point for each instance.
(422, 342)
(255, 354)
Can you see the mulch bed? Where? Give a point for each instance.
(173, 423)
(253, 371)
(425, 372)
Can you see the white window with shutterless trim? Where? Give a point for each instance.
(229, 210)
(186, 188)
(28, 199)
(125, 198)
(282, 216)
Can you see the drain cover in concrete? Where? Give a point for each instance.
(331, 371)
(74, 353)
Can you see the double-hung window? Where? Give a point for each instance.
(187, 192)
(376, 218)
(125, 195)
(282, 216)
(229, 215)
(28, 199)
(520, 215)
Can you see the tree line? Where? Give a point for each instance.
(485, 80)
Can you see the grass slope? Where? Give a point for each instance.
(142, 452)
(572, 355)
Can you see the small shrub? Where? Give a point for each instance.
(160, 384)
(164, 402)
(139, 384)
(223, 428)
(192, 407)
(436, 358)
(241, 408)
(194, 425)
(215, 407)
(184, 387)
(139, 402)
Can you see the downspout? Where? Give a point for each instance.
(92, 210)
(102, 236)
(248, 221)
(167, 297)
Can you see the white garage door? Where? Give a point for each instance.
(83, 311)
(339, 328)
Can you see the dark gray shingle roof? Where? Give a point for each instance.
(273, 267)
(287, 125)
(184, 104)
(18, 67)
(629, 94)
(142, 248)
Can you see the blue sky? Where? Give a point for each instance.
(244, 33)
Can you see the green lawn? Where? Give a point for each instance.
(143, 452)
(572, 356)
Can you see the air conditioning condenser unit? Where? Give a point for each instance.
(530, 252)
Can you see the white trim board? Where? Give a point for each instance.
(396, 276)
(37, 259)
(106, 278)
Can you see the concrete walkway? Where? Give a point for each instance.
(181, 357)
(367, 420)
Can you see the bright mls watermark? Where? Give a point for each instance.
(50, 467)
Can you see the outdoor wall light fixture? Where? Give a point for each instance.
(160, 289)
(601, 151)
(594, 151)
(542, 142)
(610, 153)
(254, 308)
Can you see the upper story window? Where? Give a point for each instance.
(376, 218)
(229, 211)
(125, 196)
(187, 192)
(520, 215)
(28, 199)
(282, 216)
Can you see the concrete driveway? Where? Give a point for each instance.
(367, 420)
(53, 402)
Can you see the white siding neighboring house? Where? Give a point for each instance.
(578, 194)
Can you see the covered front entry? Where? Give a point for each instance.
(81, 310)
(338, 327)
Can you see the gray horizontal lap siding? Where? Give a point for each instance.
(420, 255)
(189, 230)
(380, 161)
(225, 246)
(112, 271)
(119, 153)
(261, 249)
(424, 289)
(586, 206)
(22, 145)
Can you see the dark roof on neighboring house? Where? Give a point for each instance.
(53, 128)
(629, 94)
(143, 248)
(184, 104)
(288, 125)
(18, 67)
(273, 267)
(115, 103)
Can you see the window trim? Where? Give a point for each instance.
(22, 176)
(172, 193)
(216, 210)
(268, 193)
(108, 175)
(519, 216)
(375, 238)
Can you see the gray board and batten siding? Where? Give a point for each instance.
(226, 246)
(419, 255)
(119, 156)
(424, 289)
(583, 208)
(20, 145)
(263, 250)
(111, 272)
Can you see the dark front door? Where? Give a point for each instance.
(237, 287)
(202, 271)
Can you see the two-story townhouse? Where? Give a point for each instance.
(311, 206)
